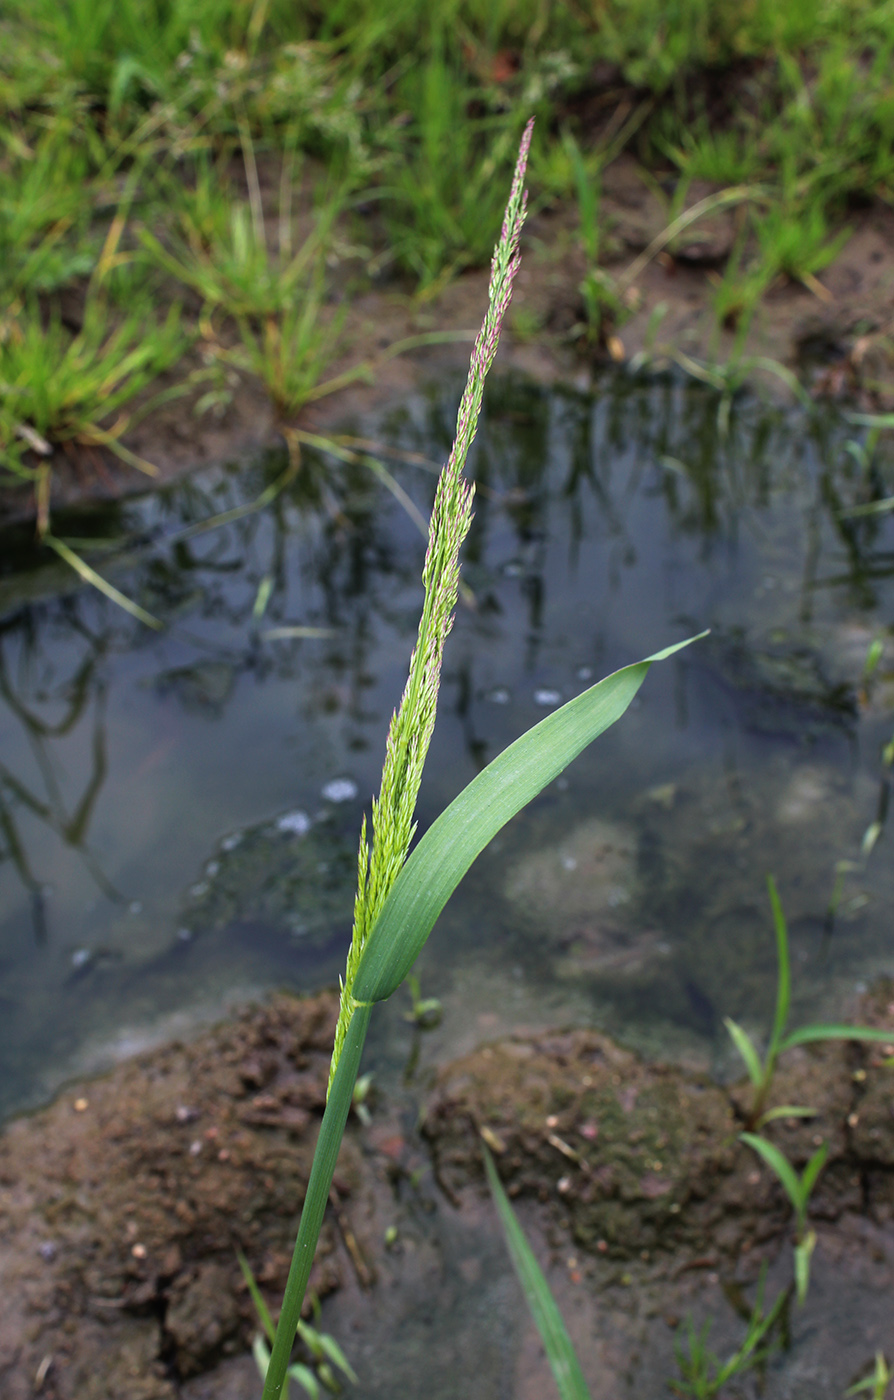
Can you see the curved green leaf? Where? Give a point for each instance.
(785, 1110)
(450, 845)
(806, 1034)
(779, 1164)
(745, 1047)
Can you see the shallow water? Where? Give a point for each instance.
(173, 803)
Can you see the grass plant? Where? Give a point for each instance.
(59, 388)
(603, 307)
(702, 1373)
(762, 1070)
(444, 196)
(325, 1358)
(799, 1190)
(415, 108)
(400, 895)
(878, 1382)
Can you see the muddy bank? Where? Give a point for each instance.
(837, 338)
(123, 1204)
(122, 1207)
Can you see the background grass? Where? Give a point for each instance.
(255, 164)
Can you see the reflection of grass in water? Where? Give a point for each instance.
(20, 799)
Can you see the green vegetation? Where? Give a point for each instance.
(261, 164)
(324, 1358)
(761, 1072)
(400, 895)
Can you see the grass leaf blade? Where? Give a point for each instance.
(779, 1164)
(91, 576)
(805, 1035)
(784, 980)
(743, 1044)
(553, 1332)
(461, 833)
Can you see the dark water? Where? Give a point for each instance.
(170, 838)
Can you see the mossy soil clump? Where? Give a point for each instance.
(644, 1157)
(122, 1206)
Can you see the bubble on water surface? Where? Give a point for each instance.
(340, 790)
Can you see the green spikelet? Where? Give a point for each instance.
(412, 723)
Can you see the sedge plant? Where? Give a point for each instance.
(400, 894)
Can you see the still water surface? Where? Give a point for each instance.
(179, 810)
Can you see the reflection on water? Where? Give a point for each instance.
(179, 811)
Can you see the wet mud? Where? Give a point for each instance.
(122, 1206)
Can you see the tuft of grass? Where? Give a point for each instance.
(59, 388)
(702, 1373)
(443, 196)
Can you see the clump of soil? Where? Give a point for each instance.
(122, 1207)
(643, 1157)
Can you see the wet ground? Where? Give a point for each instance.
(180, 812)
(836, 338)
(124, 1205)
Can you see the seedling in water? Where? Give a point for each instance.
(762, 1071)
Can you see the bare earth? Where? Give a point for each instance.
(123, 1204)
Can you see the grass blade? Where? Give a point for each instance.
(805, 1035)
(451, 844)
(91, 576)
(553, 1333)
(813, 1169)
(784, 980)
(779, 1164)
(261, 1308)
(745, 1047)
(786, 1110)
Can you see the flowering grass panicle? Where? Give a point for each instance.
(380, 861)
